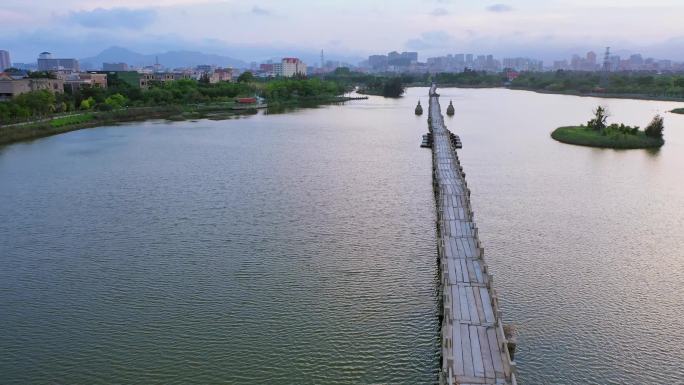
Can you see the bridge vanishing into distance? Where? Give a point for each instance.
(475, 349)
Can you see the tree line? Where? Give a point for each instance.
(625, 83)
(119, 94)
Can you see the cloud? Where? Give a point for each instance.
(439, 12)
(430, 40)
(257, 10)
(123, 18)
(499, 8)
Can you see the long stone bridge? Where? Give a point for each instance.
(475, 349)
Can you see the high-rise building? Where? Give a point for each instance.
(5, 62)
(590, 62)
(377, 62)
(591, 58)
(47, 63)
(636, 61)
(412, 56)
(292, 66)
(115, 67)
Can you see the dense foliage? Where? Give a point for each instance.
(609, 138)
(656, 127)
(295, 89)
(599, 134)
(634, 84)
(391, 87)
(598, 122)
(245, 77)
(469, 79)
(119, 94)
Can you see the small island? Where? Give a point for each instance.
(596, 133)
(678, 111)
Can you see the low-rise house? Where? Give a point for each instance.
(224, 74)
(80, 80)
(148, 79)
(11, 87)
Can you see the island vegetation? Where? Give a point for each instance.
(597, 133)
(678, 111)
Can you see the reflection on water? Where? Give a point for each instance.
(586, 244)
(294, 248)
(299, 247)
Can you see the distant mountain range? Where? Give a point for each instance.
(171, 59)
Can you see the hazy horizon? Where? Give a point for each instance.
(349, 31)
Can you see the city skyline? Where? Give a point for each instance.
(246, 30)
(401, 62)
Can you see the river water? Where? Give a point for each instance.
(300, 248)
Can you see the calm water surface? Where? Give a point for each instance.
(291, 249)
(299, 248)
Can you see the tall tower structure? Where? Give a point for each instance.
(322, 59)
(606, 68)
(606, 60)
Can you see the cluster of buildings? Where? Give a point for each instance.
(460, 62)
(408, 62)
(287, 67)
(393, 62)
(68, 74)
(614, 63)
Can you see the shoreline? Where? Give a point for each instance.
(44, 127)
(571, 93)
(582, 136)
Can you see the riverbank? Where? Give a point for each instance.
(62, 124)
(571, 93)
(584, 136)
(601, 95)
(21, 132)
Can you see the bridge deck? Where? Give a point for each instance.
(474, 347)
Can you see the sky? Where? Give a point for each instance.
(345, 29)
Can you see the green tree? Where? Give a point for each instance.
(42, 75)
(116, 101)
(37, 102)
(598, 123)
(393, 88)
(245, 77)
(656, 127)
(679, 82)
(87, 104)
(342, 71)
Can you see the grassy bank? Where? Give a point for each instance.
(17, 133)
(584, 136)
(220, 110)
